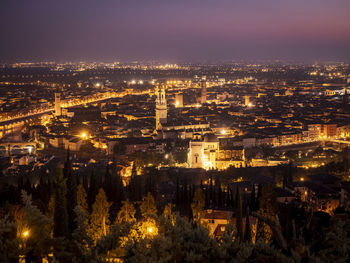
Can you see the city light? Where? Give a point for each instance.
(84, 135)
(223, 132)
(25, 234)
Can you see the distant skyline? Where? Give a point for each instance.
(174, 31)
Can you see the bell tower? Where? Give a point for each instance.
(203, 85)
(161, 107)
(58, 110)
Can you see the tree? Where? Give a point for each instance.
(38, 240)
(126, 213)
(81, 199)
(99, 219)
(253, 199)
(9, 243)
(239, 217)
(60, 212)
(336, 245)
(248, 231)
(168, 213)
(181, 242)
(50, 212)
(267, 202)
(82, 242)
(93, 189)
(198, 204)
(148, 207)
(71, 193)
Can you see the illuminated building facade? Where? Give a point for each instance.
(203, 151)
(322, 131)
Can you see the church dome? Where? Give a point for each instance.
(210, 137)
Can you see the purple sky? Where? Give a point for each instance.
(174, 30)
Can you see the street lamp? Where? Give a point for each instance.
(25, 234)
(83, 135)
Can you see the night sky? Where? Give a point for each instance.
(174, 30)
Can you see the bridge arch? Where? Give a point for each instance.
(15, 149)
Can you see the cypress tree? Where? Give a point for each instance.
(99, 220)
(71, 193)
(177, 198)
(92, 189)
(28, 186)
(218, 192)
(248, 231)
(81, 241)
(252, 199)
(85, 182)
(239, 219)
(60, 207)
(119, 190)
(238, 198)
(233, 202)
(198, 205)
(211, 192)
(148, 207)
(257, 203)
(107, 183)
(81, 199)
(126, 213)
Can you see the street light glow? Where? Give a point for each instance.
(83, 135)
(25, 234)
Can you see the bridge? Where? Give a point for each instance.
(13, 148)
(68, 104)
(10, 127)
(340, 141)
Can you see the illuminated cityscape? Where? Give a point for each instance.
(173, 152)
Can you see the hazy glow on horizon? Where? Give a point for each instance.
(180, 30)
